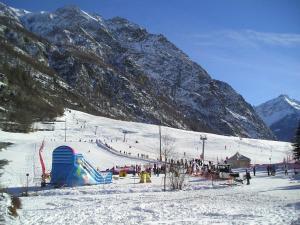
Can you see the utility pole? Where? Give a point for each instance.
(124, 133)
(203, 139)
(160, 157)
(33, 160)
(165, 167)
(66, 130)
(27, 175)
(96, 130)
(270, 156)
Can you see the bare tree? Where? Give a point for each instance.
(177, 176)
(175, 170)
(167, 153)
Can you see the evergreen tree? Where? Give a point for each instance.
(296, 144)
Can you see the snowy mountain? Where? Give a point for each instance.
(281, 115)
(116, 68)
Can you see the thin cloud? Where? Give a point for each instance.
(282, 39)
(248, 38)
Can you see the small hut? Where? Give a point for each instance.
(239, 161)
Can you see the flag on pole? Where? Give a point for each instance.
(41, 158)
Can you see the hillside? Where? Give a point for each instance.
(125, 200)
(84, 129)
(115, 68)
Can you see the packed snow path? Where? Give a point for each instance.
(102, 146)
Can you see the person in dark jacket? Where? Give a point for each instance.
(285, 169)
(268, 169)
(254, 170)
(248, 177)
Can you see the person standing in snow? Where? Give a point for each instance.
(285, 169)
(273, 170)
(268, 169)
(158, 171)
(254, 170)
(248, 177)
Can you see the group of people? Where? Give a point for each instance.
(197, 166)
(193, 166)
(143, 156)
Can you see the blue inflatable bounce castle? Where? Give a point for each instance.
(71, 169)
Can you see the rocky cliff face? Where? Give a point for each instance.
(122, 71)
(282, 115)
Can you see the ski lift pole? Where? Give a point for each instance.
(203, 139)
(96, 128)
(27, 175)
(160, 157)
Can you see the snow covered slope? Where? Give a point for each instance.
(83, 130)
(281, 115)
(276, 199)
(268, 200)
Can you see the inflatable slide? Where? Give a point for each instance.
(71, 169)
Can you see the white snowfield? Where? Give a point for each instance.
(267, 200)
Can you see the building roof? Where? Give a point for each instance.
(238, 156)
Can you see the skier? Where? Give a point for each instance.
(248, 177)
(254, 170)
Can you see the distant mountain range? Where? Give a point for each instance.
(282, 115)
(114, 68)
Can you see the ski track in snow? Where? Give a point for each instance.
(268, 200)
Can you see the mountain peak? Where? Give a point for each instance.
(74, 11)
(119, 22)
(281, 115)
(56, 26)
(11, 12)
(69, 8)
(283, 96)
(291, 102)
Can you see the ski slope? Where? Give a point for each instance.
(82, 131)
(268, 200)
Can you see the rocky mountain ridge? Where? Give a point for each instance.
(281, 114)
(118, 69)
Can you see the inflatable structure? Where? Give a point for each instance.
(71, 169)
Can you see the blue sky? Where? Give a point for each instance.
(254, 45)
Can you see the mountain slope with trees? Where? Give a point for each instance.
(117, 69)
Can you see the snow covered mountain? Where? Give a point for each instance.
(116, 68)
(281, 115)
